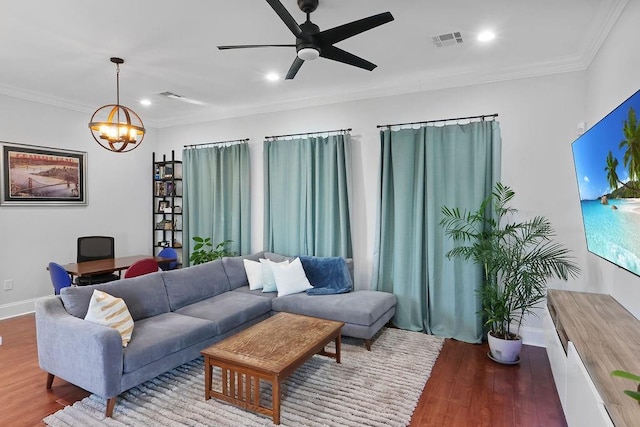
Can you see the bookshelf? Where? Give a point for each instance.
(167, 203)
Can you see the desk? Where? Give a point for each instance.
(87, 268)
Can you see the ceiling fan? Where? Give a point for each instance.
(311, 42)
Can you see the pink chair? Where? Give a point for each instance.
(141, 267)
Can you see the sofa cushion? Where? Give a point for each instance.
(228, 310)
(327, 275)
(290, 278)
(359, 307)
(254, 274)
(257, 292)
(268, 279)
(234, 268)
(107, 310)
(159, 336)
(277, 257)
(188, 285)
(145, 296)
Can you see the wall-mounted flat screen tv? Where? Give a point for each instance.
(607, 165)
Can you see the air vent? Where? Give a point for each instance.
(172, 95)
(448, 39)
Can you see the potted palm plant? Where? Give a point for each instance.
(518, 259)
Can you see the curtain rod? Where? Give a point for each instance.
(441, 120)
(308, 133)
(217, 142)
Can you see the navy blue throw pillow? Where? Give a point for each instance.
(327, 275)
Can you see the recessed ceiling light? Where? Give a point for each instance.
(272, 77)
(486, 36)
(145, 102)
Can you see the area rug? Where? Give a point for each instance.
(380, 387)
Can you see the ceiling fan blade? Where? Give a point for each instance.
(286, 17)
(297, 63)
(337, 54)
(251, 46)
(336, 34)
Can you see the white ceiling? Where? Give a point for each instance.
(57, 52)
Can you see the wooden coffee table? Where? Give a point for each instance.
(270, 351)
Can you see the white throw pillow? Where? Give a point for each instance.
(290, 279)
(268, 281)
(108, 310)
(254, 274)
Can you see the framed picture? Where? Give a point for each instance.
(163, 205)
(42, 176)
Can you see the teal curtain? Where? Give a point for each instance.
(422, 170)
(217, 198)
(307, 185)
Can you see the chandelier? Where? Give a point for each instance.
(114, 126)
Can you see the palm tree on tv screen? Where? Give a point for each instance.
(610, 169)
(631, 158)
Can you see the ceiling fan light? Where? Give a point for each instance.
(308, 54)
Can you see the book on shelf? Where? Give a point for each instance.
(160, 190)
(165, 224)
(163, 189)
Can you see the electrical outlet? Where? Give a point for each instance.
(8, 284)
(0, 340)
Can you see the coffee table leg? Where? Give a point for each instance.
(338, 345)
(207, 378)
(276, 400)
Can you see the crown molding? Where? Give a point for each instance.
(411, 84)
(600, 34)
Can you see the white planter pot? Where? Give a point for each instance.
(505, 351)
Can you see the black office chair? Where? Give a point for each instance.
(91, 248)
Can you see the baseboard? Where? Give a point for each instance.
(532, 336)
(17, 308)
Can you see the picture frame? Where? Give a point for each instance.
(163, 205)
(42, 176)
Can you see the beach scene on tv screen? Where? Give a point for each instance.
(607, 165)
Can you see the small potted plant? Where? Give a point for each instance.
(517, 258)
(203, 250)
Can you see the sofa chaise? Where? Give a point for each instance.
(176, 314)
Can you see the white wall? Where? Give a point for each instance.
(119, 194)
(614, 76)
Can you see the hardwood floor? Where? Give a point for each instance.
(465, 387)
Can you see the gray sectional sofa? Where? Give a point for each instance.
(177, 314)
